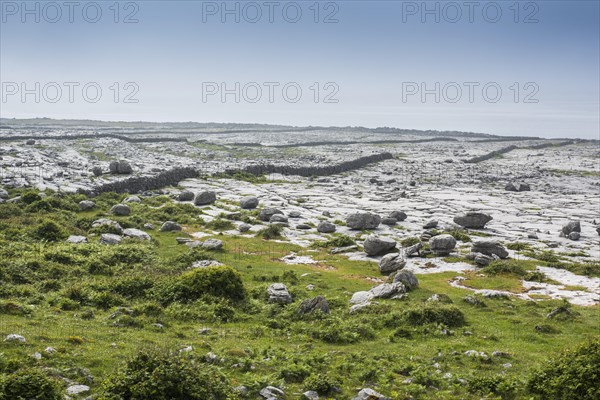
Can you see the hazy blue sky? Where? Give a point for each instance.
(375, 61)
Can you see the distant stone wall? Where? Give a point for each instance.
(13, 138)
(176, 175)
(505, 150)
(307, 171)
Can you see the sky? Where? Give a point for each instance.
(503, 67)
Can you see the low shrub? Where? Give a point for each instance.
(447, 315)
(50, 231)
(160, 375)
(504, 267)
(270, 232)
(498, 385)
(219, 281)
(30, 384)
(573, 374)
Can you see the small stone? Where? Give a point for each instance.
(110, 238)
(249, 202)
(121, 209)
(170, 226)
(205, 198)
(326, 227)
(13, 337)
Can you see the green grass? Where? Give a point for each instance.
(66, 296)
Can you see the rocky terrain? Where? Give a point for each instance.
(371, 222)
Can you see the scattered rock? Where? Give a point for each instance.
(170, 226)
(77, 389)
(390, 263)
(337, 250)
(389, 221)
(278, 293)
(361, 297)
(213, 244)
(439, 298)
(266, 213)
(86, 205)
(136, 234)
(186, 195)
(3, 194)
(360, 221)
(369, 394)
(272, 393)
(517, 187)
(110, 238)
(574, 236)
(409, 251)
(205, 198)
(473, 220)
(120, 167)
(132, 199)
(398, 215)
(294, 214)
(387, 290)
(375, 245)
(121, 209)
(244, 227)
(303, 227)
(430, 224)
(13, 337)
(326, 227)
(318, 303)
(571, 226)
(30, 142)
(107, 222)
(480, 259)
(77, 239)
(249, 202)
(442, 245)
(278, 218)
(489, 247)
(407, 278)
(310, 395)
(205, 264)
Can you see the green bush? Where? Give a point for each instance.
(410, 241)
(337, 241)
(10, 210)
(218, 281)
(30, 384)
(270, 232)
(30, 197)
(573, 374)
(504, 267)
(50, 231)
(493, 384)
(322, 384)
(447, 315)
(219, 224)
(460, 235)
(294, 373)
(160, 375)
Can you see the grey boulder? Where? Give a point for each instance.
(318, 303)
(326, 227)
(442, 245)
(391, 262)
(407, 278)
(375, 245)
(120, 209)
(186, 195)
(473, 220)
(266, 213)
(249, 202)
(170, 226)
(205, 198)
(86, 205)
(571, 226)
(278, 293)
(489, 247)
(363, 221)
(136, 234)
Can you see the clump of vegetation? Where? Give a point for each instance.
(504, 267)
(498, 385)
(323, 384)
(272, 231)
(460, 235)
(518, 246)
(219, 224)
(50, 231)
(219, 281)
(448, 315)
(573, 374)
(337, 241)
(30, 384)
(160, 375)
(410, 241)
